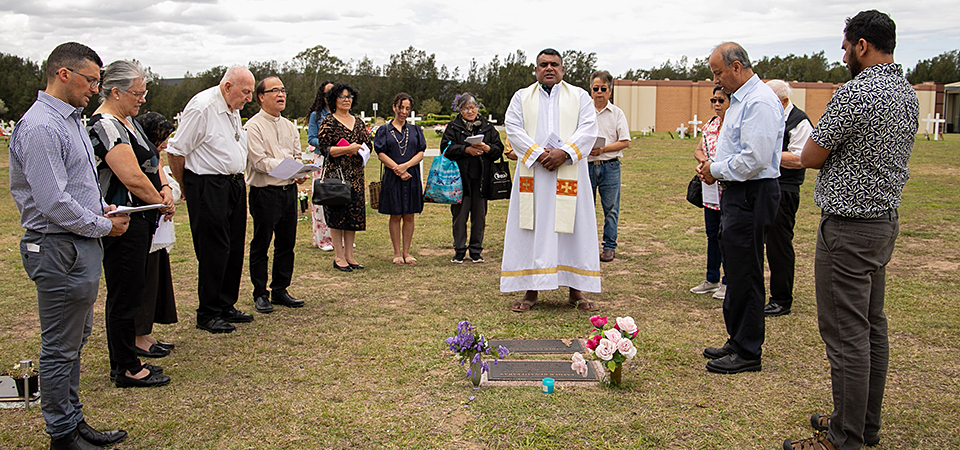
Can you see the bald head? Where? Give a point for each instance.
(237, 87)
(730, 66)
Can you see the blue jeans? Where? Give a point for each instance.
(66, 270)
(711, 222)
(606, 179)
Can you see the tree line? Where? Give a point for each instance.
(433, 88)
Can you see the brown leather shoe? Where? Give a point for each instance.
(607, 254)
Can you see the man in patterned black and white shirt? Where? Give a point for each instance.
(861, 145)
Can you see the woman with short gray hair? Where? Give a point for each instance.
(128, 166)
(474, 161)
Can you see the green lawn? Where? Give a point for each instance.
(364, 364)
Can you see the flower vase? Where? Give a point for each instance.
(616, 375)
(476, 372)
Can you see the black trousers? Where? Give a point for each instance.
(125, 272)
(217, 205)
(780, 253)
(274, 212)
(747, 211)
(474, 208)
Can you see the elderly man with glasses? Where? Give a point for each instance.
(605, 160)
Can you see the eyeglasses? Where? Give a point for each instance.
(469, 108)
(717, 100)
(94, 82)
(344, 97)
(599, 89)
(271, 91)
(139, 95)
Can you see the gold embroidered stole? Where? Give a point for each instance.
(567, 174)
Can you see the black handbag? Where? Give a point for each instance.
(331, 191)
(498, 183)
(695, 192)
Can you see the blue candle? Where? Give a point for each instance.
(548, 385)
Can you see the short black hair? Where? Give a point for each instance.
(336, 91)
(157, 127)
(873, 26)
(70, 55)
(549, 51)
(261, 89)
(718, 88)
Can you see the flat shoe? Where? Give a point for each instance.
(583, 304)
(236, 316)
(283, 298)
(166, 345)
(522, 306)
(155, 351)
(717, 353)
(152, 380)
(100, 439)
(410, 260)
(399, 261)
(216, 325)
(732, 364)
(355, 266)
(342, 268)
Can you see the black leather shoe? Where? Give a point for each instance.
(165, 345)
(345, 268)
(150, 367)
(775, 309)
(717, 353)
(155, 351)
(236, 316)
(72, 441)
(152, 380)
(262, 304)
(97, 438)
(284, 298)
(732, 364)
(216, 325)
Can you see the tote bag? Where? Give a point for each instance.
(498, 183)
(443, 182)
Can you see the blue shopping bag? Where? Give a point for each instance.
(443, 182)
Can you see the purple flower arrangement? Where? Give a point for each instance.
(469, 347)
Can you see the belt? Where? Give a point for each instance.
(600, 163)
(726, 184)
(284, 187)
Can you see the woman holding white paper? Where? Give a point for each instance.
(474, 158)
(339, 140)
(158, 303)
(400, 146)
(129, 173)
(706, 150)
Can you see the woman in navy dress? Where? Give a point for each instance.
(400, 148)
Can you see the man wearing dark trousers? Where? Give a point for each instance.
(780, 253)
(53, 180)
(207, 156)
(861, 145)
(273, 201)
(747, 165)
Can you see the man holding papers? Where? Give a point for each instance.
(273, 201)
(551, 235)
(604, 159)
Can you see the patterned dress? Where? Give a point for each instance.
(352, 216)
(321, 233)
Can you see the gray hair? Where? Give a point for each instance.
(465, 99)
(235, 75)
(604, 76)
(732, 51)
(121, 74)
(781, 88)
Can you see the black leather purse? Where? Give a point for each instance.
(331, 191)
(695, 192)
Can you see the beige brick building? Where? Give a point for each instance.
(665, 105)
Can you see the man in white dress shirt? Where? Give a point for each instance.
(605, 160)
(551, 233)
(207, 156)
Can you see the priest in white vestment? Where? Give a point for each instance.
(551, 235)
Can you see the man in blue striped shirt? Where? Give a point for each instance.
(53, 180)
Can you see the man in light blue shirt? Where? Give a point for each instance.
(747, 166)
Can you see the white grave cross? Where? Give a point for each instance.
(928, 120)
(936, 127)
(695, 124)
(413, 118)
(681, 129)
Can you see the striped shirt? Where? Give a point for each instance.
(52, 174)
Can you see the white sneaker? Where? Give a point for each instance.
(705, 288)
(721, 293)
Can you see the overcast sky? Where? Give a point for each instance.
(174, 37)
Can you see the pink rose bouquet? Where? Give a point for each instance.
(612, 343)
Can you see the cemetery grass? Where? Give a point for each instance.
(364, 364)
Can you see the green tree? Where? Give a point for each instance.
(502, 80)
(810, 68)
(20, 79)
(944, 68)
(578, 66)
(430, 106)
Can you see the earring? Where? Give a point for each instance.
(118, 97)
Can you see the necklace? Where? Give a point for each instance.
(406, 138)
